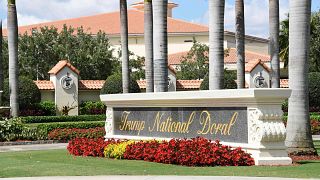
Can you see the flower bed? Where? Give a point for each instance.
(68, 134)
(88, 147)
(194, 152)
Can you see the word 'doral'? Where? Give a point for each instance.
(166, 124)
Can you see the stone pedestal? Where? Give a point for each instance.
(261, 127)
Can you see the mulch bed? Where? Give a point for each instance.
(304, 158)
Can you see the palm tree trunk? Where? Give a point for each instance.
(298, 128)
(240, 44)
(216, 49)
(148, 41)
(1, 61)
(160, 45)
(13, 57)
(124, 46)
(274, 42)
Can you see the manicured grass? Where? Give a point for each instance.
(60, 163)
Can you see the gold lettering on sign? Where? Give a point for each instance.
(215, 128)
(127, 125)
(170, 125)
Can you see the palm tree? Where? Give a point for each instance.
(124, 46)
(216, 49)
(240, 44)
(274, 42)
(160, 45)
(1, 61)
(148, 41)
(298, 128)
(13, 57)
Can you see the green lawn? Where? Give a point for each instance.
(60, 163)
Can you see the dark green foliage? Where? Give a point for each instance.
(47, 107)
(229, 81)
(195, 64)
(50, 119)
(29, 94)
(314, 89)
(90, 107)
(44, 128)
(39, 52)
(113, 85)
(314, 60)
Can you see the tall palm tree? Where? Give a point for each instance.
(160, 45)
(240, 44)
(298, 127)
(124, 46)
(274, 42)
(1, 60)
(216, 49)
(148, 41)
(13, 57)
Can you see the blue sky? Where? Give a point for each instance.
(256, 11)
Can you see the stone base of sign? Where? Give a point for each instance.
(265, 132)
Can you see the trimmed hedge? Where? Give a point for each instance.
(51, 119)
(43, 129)
(230, 78)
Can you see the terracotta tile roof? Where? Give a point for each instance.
(176, 58)
(188, 84)
(97, 84)
(44, 85)
(110, 24)
(91, 84)
(284, 83)
(252, 64)
(60, 65)
(181, 84)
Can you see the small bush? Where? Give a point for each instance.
(92, 108)
(229, 81)
(48, 108)
(314, 89)
(50, 119)
(116, 150)
(88, 147)
(69, 134)
(113, 85)
(44, 128)
(10, 129)
(29, 94)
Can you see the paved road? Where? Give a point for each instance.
(147, 178)
(33, 147)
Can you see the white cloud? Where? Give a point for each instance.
(37, 11)
(256, 16)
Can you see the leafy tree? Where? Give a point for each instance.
(113, 85)
(29, 94)
(314, 61)
(40, 51)
(195, 64)
(229, 81)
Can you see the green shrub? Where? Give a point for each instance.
(43, 129)
(50, 119)
(113, 85)
(117, 150)
(9, 129)
(48, 108)
(29, 94)
(229, 81)
(90, 107)
(314, 89)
